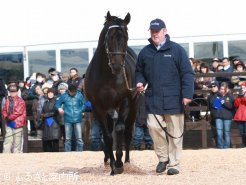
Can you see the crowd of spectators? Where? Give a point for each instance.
(56, 118)
(224, 106)
(55, 107)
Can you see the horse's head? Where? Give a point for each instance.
(115, 41)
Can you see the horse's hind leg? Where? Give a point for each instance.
(128, 138)
(129, 128)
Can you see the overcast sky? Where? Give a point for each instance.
(25, 22)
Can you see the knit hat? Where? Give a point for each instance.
(46, 85)
(62, 85)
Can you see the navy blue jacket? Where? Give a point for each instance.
(169, 75)
(73, 107)
(211, 98)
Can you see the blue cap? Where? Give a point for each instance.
(216, 83)
(157, 24)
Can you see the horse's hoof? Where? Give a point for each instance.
(127, 161)
(106, 161)
(112, 173)
(119, 170)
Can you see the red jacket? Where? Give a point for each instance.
(19, 111)
(240, 104)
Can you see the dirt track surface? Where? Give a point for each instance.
(211, 166)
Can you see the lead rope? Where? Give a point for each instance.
(165, 129)
(125, 77)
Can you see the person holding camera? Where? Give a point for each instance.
(240, 115)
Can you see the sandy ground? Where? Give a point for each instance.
(210, 166)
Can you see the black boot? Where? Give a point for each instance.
(161, 167)
(172, 171)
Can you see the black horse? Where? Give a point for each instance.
(109, 82)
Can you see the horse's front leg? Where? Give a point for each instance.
(119, 130)
(107, 128)
(108, 139)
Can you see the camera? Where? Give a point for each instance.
(240, 92)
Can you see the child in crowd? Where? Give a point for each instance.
(62, 88)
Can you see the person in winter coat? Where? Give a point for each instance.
(73, 106)
(211, 98)
(165, 67)
(3, 93)
(51, 127)
(224, 113)
(240, 115)
(14, 113)
(74, 77)
(37, 107)
(56, 78)
(141, 129)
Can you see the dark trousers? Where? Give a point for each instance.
(51, 145)
(97, 143)
(213, 125)
(32, 126)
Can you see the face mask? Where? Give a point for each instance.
(55, 78)
(21, 85)
(39, 80)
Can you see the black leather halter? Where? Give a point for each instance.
(113, 52)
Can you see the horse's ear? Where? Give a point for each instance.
(108, 16)
(127, 18)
